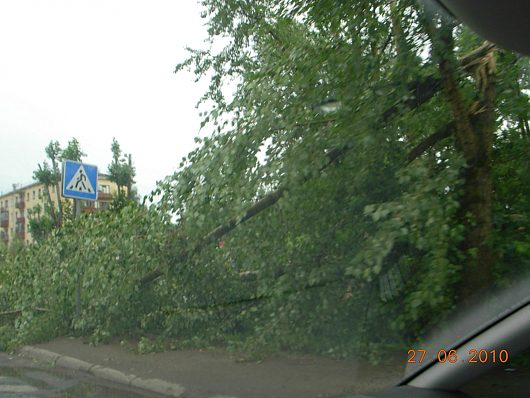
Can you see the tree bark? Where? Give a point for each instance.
(60, 213)
(50, 202)
(129, 180)
(473, 139)
(478, 188)
(430, 141)
(422, 90)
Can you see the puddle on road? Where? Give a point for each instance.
(85, 390)
(58, 385)
(18, 376)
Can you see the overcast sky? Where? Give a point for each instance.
(97, 69)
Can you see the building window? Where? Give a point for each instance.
(104, 188)
(33, 195)
(27, 196)
(40, 194)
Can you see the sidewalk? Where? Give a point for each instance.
(203, 374)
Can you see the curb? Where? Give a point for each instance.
(153, 385)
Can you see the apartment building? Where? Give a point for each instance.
(16, 206)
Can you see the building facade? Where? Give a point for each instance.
(17, 206)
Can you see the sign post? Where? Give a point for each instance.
(77, 213)
(80, 182)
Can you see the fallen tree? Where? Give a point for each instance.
(421, 91)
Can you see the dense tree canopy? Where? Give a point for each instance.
(368, 166)
(397, 188)
(44, 219)
(121, 170)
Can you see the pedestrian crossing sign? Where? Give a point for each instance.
(80, 180)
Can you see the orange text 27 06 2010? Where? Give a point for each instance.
(454, 356)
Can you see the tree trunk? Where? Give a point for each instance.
(475, 210)
(49, 200)
(129, 181)
(58, 193)
(478, 187)
(473, 139)
(50, 204)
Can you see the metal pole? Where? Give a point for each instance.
(77, 213)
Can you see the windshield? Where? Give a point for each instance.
(467, 322)
(307, 189)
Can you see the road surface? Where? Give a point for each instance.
(22, 378)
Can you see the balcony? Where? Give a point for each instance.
(20, 231)
(104, 196)
(20, 202)
(4, 218)
(4, 238)
(21, 221)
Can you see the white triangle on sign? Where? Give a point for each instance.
(80, 182)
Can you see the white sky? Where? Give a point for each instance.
(97, 69)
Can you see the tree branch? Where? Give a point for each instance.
(18, 312)
(423, 89)
(468, 60)
(264, 203)
(430, 141)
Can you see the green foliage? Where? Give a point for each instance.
(40, 222)
(107, 253)
(46, 175)
(121, 170)
(362, 252)
(371, 228)
(512, 208)
(146, 346)
(49, 176)
(7, 337)
(3, 252)
(53, 150)
(43, 221)
(72, 151)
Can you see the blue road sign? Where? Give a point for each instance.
(80, 180)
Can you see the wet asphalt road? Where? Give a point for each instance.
(22, 378)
